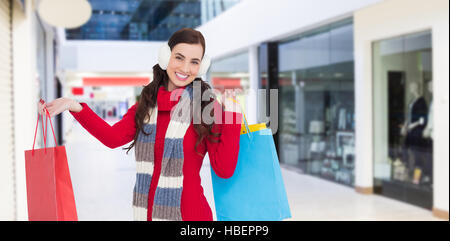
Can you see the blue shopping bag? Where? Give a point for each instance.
(256, 190)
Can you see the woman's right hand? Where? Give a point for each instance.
(59, 105)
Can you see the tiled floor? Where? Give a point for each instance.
(103, 181)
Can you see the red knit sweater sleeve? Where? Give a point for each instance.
(113, 136)
(223, 154)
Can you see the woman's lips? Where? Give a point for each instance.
(180, 78)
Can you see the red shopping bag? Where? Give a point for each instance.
(49, 188)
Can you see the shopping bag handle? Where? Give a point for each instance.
(44, 129)
(249, 134)
(35, 132)
(50, 119)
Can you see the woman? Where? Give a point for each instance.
(169, 148)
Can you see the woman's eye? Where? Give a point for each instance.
(182, 59)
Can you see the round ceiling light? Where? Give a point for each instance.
(65, 13)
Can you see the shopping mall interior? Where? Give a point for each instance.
(355, 94)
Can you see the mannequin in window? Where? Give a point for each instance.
(428, 132)
(428, 136)
(334, 112)
(342, 119)
(416, 120)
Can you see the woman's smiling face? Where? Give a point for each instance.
(184, 64)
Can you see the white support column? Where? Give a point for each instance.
(25, 96)
(441, 112)
(363, 115)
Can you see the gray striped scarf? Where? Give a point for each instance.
(167, 200)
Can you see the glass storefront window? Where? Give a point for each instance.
(402, 81)
(263, 76)
(316, 94)
(231, 73)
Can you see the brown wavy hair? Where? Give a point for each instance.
(147, 98)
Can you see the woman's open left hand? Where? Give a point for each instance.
(57, 106)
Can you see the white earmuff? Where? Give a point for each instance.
(164, 58)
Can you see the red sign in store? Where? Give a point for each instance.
(115, 81)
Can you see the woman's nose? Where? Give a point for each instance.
(186, 68)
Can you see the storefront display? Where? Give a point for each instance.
(403, 122)
(109, 110)
(316, 89)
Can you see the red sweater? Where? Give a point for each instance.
(223, 155)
